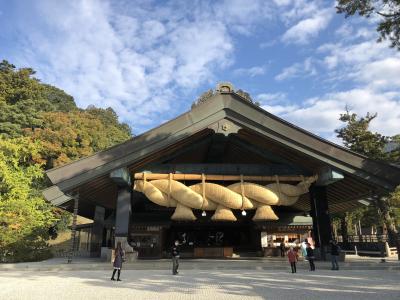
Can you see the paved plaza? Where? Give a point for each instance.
(201, 284)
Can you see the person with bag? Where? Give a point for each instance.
(292, 257)
(335, 250)
(310, 257)
(117, 264)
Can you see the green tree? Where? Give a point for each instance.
(41, 127)
(68, 136)
(388, 11)
(23, 99)
(357, 137)
(46, 113)
(25, 217)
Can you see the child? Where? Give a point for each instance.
(292, 257)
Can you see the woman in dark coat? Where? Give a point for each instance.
(310, 257)
(119, 257)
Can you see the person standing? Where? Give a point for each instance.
(175, 257)
(304, 249)
(335, 250)
(310, 257)
(119, 258)
(292, 257)
(282, 247)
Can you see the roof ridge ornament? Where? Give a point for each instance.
(203, 98)
(223, 88)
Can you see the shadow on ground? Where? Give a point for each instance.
(258, 284)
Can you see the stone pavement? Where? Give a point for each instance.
(60, 264)
(201, 284)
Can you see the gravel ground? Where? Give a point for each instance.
(201, 284)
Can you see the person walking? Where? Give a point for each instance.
(119, 258)
(282, 247)
(310, 257)
(335, 250)
(292, 257)
(175, 257)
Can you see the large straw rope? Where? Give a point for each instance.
(211, 196)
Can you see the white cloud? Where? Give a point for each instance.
(321, 114)
(271, 97)
(369, 79)
(251, 72)
(306, 68)
(141, 59)
(241, 15)
(306, 29)
(371, 64)
(298, 10)
(380, 74)
(134, 61)
(280, 109)
(282, 2)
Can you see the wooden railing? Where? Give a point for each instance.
(370, 238)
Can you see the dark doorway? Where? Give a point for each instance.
(243, 238)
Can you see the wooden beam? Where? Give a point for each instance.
(152, 176)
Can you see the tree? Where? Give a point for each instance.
(41, 127)
(68, 136)
(357, 137)
(387, 10)
(23, 99)
(46, 113)
(25, 217)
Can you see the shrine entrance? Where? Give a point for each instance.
(215, 240)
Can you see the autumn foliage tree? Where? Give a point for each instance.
(41, 127)
(67, 136)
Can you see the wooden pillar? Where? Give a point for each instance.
(123, 212)
(321, 219)
(122, 221)
(96, 237)
(73, 228)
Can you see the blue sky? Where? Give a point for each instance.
(149, 60)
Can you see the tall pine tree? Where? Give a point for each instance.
(357, 137)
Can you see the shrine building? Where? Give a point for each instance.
(227, 179)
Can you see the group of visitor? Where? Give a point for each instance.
(308, 254)
(292, 254)
(120, 257)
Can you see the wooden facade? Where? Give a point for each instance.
(226, 135)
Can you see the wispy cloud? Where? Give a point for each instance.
(322, 111)
(369, 69)
(251, 72)
(271, 97)
(134, 63)
(144, 59)
(305, 68)
(308, 28)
